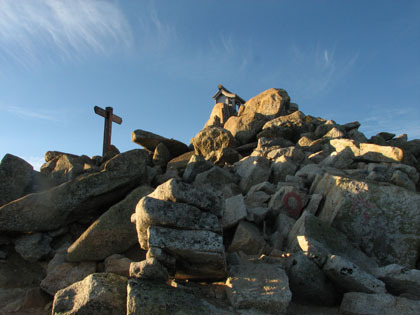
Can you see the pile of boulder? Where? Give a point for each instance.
(268, 211)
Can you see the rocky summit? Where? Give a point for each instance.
(267, 211)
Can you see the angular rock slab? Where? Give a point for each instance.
(199, 254)
(66, 274)
(357, 303)
(155, 212)
(150, 141)
(177, 191)
(400, 280)
(368, 151)
(318, 240)
(350, 278)
(16, 177)
(72, 200)
(147, 297)
(264, 287)
(384, 220)
(97, 294)
(112, 233)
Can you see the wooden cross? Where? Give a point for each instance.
(109, 118)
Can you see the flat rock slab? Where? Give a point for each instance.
(147, 297)
(357, 303)
(155, 212)
(112, 233)
(97, 294)
(73, 200)
(383, 219)
(351, 278)
(368, 151)
(150, 141)
(199, 254)
(264, 287)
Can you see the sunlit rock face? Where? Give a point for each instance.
(383, 219)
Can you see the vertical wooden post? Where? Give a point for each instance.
(107, 130)
(109, 116)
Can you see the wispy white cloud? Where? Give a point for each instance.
(313, 72)
(397, 120)
(29, 113)
(31, 30)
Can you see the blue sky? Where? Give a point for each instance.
(157, 63)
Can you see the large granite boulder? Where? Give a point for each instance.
(75, 199)
(112, 233)
(16, 178)
(150, 141)
(264, 287)
(97, 294)
(149, 297)
(356, 303)
(289, 127)
(245, 127)
(270, 103)
(383, 219)
(65, 274)
(368, 151)
(219, 115)
(184, 221)
(214, 144)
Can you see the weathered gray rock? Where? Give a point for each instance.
(118, 264)
(219, 115)
(257, 215)
(308, 282)
(112, 233)
(290, 200)
(66, 274)
(215, 179)
(289, 127)
(97, 294)
(351, 278)
(293, 153)
(178, 191)
(357, 303)
(200, 254)
(245, 127)
(248, 239)
(309, 228)
(257, 199)
(147, 297)
(280, 168)
(73, 200)
(264, 287)
(149, 269)
(16, 177)
(313, 204)
(213, 143)
(334, 133)
(33, 247)
(283, 226)
(150, 141)
(161, 155)
(364, 210)
(196, 165)
(252, 170)
(155, 212)
(369, 152)
(400, 280)
(65, 167)
(270, 103)
(401, 179)
(235, 210)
